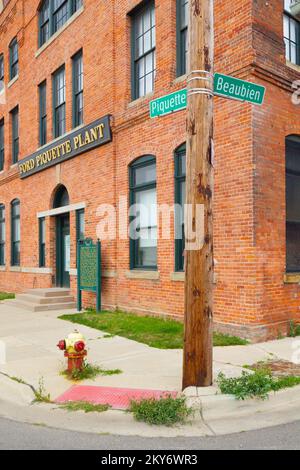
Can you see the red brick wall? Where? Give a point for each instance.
(249, 209)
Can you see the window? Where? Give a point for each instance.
(13, 59)
(42, 242)
(291, 33)
(143, 214)
(44, 22)
(77, 89)
(293, 204)
(2, 235)
(15, 134)
(15, 233)
(143, 50)
(182, 36)
(59, 102)
(1, 70)
(180, 175)
(43, 113)
(1, 144)
(53, 14)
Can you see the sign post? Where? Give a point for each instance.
(89, 270)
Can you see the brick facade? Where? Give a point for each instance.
(251, 297)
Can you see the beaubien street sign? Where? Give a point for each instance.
(224, 85)
(230, 87)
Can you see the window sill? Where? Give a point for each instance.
(2, 268)
(20, 269)
(13, 80)
(291, 278)
(178, 276)
(58, 33)
(293, 66)
(180, 79)
(140, 274)
(140, 100)
(108, 274)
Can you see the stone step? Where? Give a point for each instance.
(51, 292)
(36, 299)
(43, 308)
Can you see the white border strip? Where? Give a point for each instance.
(62, 210)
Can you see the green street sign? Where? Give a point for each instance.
(224, 85)
(168, 104)
(234, 88)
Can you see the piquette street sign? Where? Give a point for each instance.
(224, 85)
(77, 142)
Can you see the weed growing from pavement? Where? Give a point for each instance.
(259, 384)
(84, 406)
(166, 411)
(294, 329)
(41, 395)
(89, 371)
(6, 295)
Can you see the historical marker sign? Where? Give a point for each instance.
(230, 87)
(89, 270)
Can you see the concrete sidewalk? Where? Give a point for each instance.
(31, 339)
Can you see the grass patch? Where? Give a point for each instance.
(84, 406)
(256, 385)
(166, 411)
(155, 332)
(6, 295)
(89, 371)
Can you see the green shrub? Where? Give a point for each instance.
(166, 411)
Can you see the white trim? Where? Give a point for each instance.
(105, 273)
(13, 80)
(2, 268)
(60, 31)
(19, 269)
(140, 274)
(177, 276)
(62, 210)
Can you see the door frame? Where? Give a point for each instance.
(59, 254)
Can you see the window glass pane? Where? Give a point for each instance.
(146, 174)
(147, 227)
(293, 246)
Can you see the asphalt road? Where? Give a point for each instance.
(21, 436)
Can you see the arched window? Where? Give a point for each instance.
(293, 204)
(53, 14)
(61, 197)
(143, 213)
(180, 175)
(13, 59)
(15, 232)
(2, 234)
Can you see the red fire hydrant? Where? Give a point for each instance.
(74, 347)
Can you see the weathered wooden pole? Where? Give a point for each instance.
(197, 361)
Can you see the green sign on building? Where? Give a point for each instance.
(89, 270)
(168, 104)
(230, 87)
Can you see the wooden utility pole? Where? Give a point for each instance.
(197, 361)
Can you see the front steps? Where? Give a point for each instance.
(42, 300)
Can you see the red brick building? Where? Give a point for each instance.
(75, 133)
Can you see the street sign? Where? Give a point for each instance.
(88, 270)
(168, 104)
(224, 85)
(230, 87)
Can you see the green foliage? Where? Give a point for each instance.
(294, 329)
(84, 406)
(166, 411)
(256, 385)
(155, 332)
(89, 371)
(6, 295)
(41, 396)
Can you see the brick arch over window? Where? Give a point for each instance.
(292, 152)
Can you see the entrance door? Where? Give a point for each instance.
(63, 251)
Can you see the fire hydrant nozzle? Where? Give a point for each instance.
(74, 347)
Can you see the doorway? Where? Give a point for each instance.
(63, 250)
